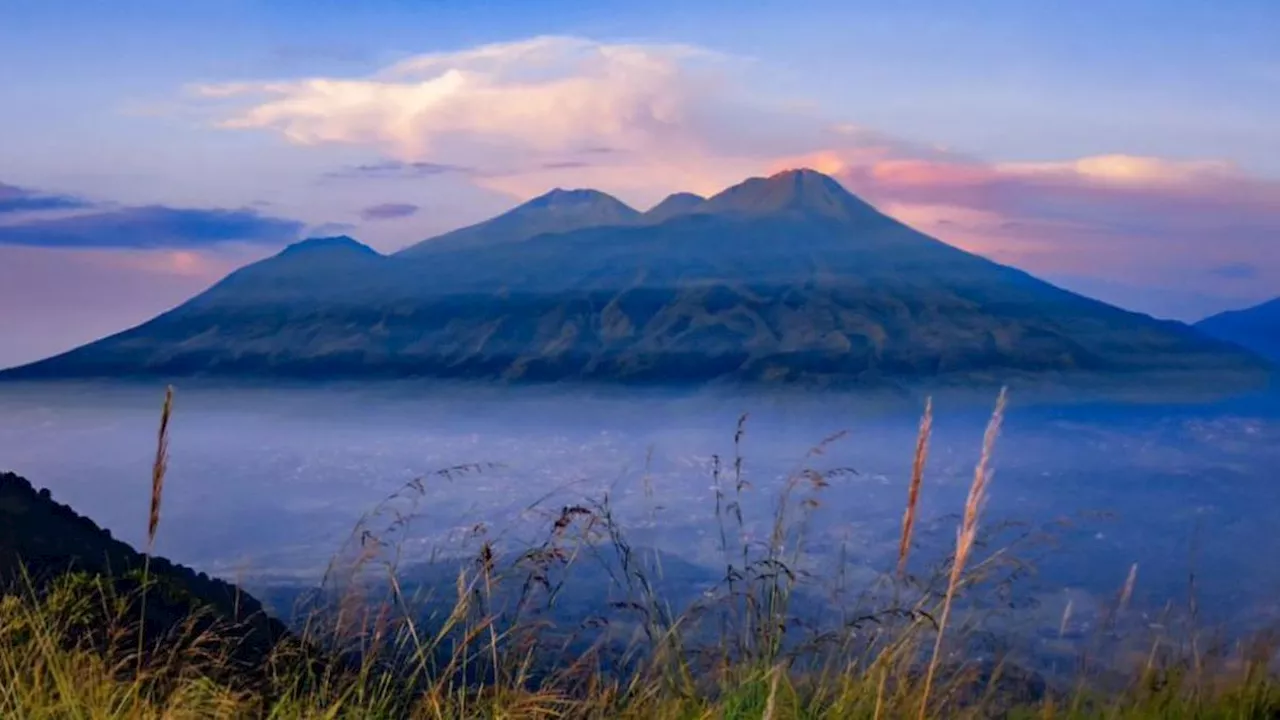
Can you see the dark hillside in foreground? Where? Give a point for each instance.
(788, 279)
(43, 541)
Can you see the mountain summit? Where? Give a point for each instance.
(787, 278)
(553, 212)
(804, 192)
(680, 203)
(336, 244)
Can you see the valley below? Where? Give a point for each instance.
(265, 485)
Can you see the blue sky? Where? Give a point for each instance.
(1130, 149)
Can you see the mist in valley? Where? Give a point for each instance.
(266, 484)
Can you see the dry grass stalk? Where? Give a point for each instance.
(879, 710)
(965, 537)
(913, 492)
(1127, 593)
(770, 705)
(159, 467)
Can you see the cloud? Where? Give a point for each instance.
(330, 229)
(14, 199)
(551, 94)
(399, 169)
(565, 165)
(153, 226)
(1180, 205)
(388, 211)
(518, 116)
(1236, 271)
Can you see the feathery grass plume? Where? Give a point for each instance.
(965, 536)
(1066, 617)
(913, 491)
(158, 468)
(1127, 592)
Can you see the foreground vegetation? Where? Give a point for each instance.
(136, 638)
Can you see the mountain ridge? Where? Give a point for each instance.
(787, 278)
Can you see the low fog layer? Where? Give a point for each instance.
(268, 483)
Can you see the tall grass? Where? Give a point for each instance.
(966, 536)
(913, 487)
(159, 467)
(494, 641)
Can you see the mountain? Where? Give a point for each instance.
(796, 193)
(787, 278)
(555, 212)
(44, 543)
(306, 270)
(675, 204)
(1256, 328)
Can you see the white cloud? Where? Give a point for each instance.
(638, 119)
(1129, 170)
(548, 95)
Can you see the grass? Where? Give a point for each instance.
(761, 643)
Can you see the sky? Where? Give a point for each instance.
(1126, 149)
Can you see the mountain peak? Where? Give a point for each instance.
(556, 211)
(577, 198)
(334, 243)
(799, 190)
(673, 205)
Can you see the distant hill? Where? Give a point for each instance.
(787, 279)
(1256, 328)
(42, 541)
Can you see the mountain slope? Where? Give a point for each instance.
(788, 278)
(1256, 328)
(556, 211)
